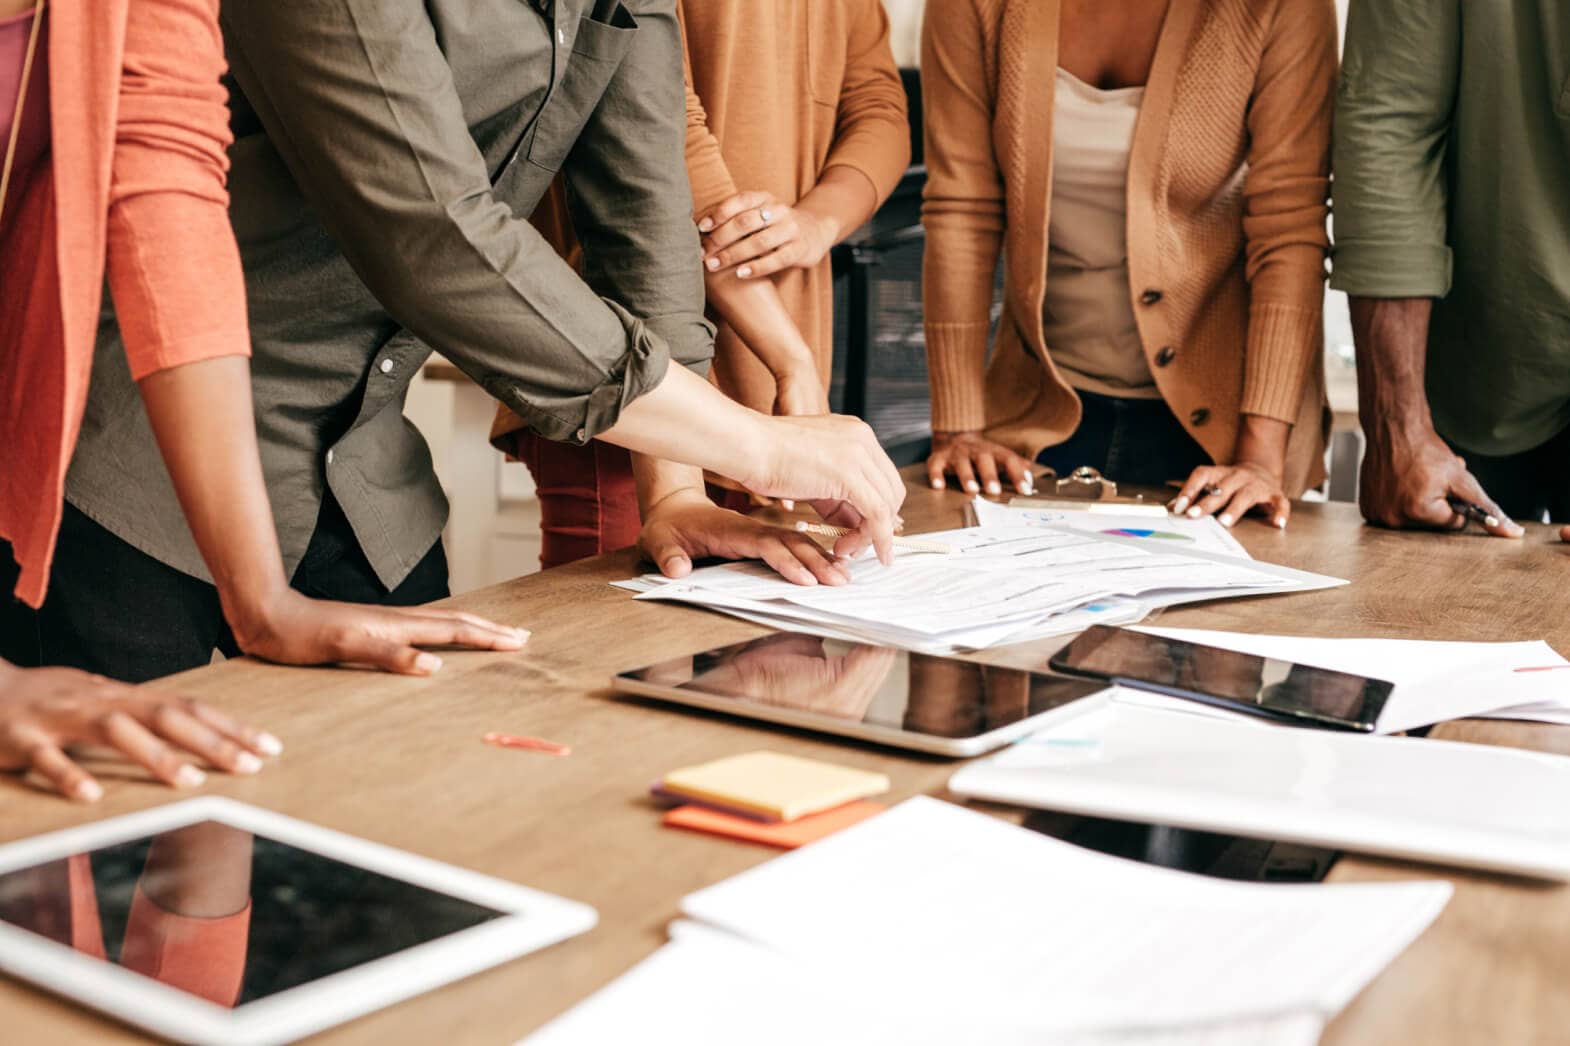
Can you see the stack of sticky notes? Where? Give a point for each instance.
(771, 798)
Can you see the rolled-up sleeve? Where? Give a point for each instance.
(1393, 115)
(360, 103)
(172, 264)
(630, 200)
(872, 128)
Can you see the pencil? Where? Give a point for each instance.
(908, 544)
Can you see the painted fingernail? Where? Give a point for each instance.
(523, 634)
(973, 487)
(89, 791)
(1226, 519)
(246, 763)
(711, 264)
(189, 776)
(1492, 521)
(938, 484)
(1193, 513)
(428, 663)
(744, 271)
(1179, 505)
(994, 488)
(1281, 522)
(1027, 488)
(706, 224)
(269, 744)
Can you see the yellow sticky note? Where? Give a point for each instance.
(769, 784)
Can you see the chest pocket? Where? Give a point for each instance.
(598, 48)
(826, 46)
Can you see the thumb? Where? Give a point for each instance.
(668, 554)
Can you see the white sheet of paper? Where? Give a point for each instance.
(1045, 936)
(710, 988)
(1435, 681)
(1204, 534)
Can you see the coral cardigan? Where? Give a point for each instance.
(1227, 203)
(134, 186)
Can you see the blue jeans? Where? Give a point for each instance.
(1135, 441)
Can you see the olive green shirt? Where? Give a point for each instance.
(1452, 181)
(388, 154)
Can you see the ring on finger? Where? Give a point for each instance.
(763, 213)
(1213, 491)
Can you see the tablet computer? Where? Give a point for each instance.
(939, 705)
(211, 921)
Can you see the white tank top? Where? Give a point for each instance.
(1089, 312)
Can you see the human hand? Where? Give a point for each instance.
(43, 711)
(833, 459)
(1407, 482)
(758, 235)
(292, 629)
(686, 526)
(1229, 492)
(974, 460)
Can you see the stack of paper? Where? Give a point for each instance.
(1000, 584)
(1204, 534)
(934, 924)
(1434, 681)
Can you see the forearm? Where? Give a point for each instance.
(1392, 346)
(843, 200)
(686, 420)
(757, 313)
(660, 480)
(202, 417)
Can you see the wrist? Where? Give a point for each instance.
(1262, 444)
(250, 608)
(825, 230)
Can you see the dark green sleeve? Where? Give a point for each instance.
(359, 101)
(629, 195)
(1392, 128)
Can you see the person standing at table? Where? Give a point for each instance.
(1155, 175)
(1453, 239)
(796, 134)
(386, 157)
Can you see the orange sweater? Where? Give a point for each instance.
(134, 185)
(1228, 183)
(779, 92)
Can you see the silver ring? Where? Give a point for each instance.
(763, 212)
(1213, 492)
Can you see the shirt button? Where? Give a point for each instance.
(1166, 356)
(561, 36)
(1150, 297)
(329, 457)
(1200, 416)
(387, 366)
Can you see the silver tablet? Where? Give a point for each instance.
(210, 921)
(940, 705)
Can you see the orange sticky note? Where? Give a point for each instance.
(786, 835)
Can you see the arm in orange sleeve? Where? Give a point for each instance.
(706, 169)
(872, 128)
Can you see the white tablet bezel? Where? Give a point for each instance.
(931, 744)
(535, 920)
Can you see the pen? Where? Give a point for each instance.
(908, 544)
(533, 744)
(1474, 513)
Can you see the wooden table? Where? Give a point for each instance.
(400, 761)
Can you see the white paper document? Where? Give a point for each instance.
(1044, 937)
(1434, 681)
(998, 584)
(711, 988)
(1173, 532)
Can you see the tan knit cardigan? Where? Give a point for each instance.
(1228, 182)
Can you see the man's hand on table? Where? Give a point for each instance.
(1408, 481)
(686, 526)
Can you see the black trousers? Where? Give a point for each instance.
(1530, 486)
(1134, 441)
(114, 610)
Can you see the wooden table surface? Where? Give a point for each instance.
(400, 761)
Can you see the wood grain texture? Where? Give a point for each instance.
(400, 761)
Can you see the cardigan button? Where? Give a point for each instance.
(1166, 356)
(1200, 416)
(1150, 297)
